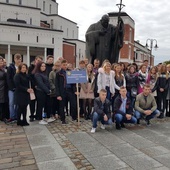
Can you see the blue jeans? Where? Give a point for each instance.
(122, 119)
(12, 107)
(97, 117)
(139, 115)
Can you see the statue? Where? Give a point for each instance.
(103, 40)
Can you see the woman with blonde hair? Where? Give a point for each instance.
(106, 80)
(87, 92)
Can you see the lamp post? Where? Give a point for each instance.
(152, 42)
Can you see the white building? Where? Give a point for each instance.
(33, 27)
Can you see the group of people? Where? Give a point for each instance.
(113, 92)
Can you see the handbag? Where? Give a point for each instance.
(32, 95)
(133, 91)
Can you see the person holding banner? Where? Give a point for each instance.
(65, 91)
(87, 92)
(101, 111)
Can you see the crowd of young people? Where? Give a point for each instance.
(114, 92)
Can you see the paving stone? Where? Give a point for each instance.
(41, 140)
(92, 149)
(108, 162)
(107, 139)
(137, 141)
(34, 130)
(141, 162)
(47, 153)
(155, 151)
(60, 164)
(164, 159)
(80, 138)
(124, 150)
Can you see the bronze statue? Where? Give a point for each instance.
(103, 40)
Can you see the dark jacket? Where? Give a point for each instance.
(21, 96)
(60, 84)
(49, 68)
(42, 83)
(102, 111)
(11, 71)
(131, 81)
(31, 76)
(162, 82)
(3, 87)
(118, 103)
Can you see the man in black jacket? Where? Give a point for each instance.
(123, 112)
(11, 71)
(65, 91)
(33, 84)
(49, 64)
(101, 111)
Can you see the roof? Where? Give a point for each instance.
(17, 5)
(74, 40)
(14, 24)
(51, 15)
(115, 14)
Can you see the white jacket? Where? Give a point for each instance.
(101, 80)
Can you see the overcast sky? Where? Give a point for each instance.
(152, 19)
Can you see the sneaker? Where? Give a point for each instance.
(118, 127)
(64, 122)
(93, 130)
(31, 119)
(122, 125)
(103, 127)
(43, 122)
(148, 123)
(51, 119)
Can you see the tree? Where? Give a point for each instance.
(167, 62)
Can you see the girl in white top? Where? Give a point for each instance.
(106, 80)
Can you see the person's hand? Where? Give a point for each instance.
(161, 90)
(147, 112)
(59, 98)
(77, 93)
(30, 90)
(105, 118)
(128, 116)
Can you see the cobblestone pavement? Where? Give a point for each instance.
(136, 147)
(67, 147)
(15, 151)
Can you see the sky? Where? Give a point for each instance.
(152, 19)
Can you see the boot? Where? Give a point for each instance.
(161, 116)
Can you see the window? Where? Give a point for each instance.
(130, 35)
(43, 5)
(52, 40)
(19, 37)
(50, 9)
(52, 23)
(36, 3)
(30, 21)
(20, 2)
(7, 1)
(130, 52)
(37, 38)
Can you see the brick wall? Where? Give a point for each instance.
(69, 53)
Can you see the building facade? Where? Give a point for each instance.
(33, 27)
